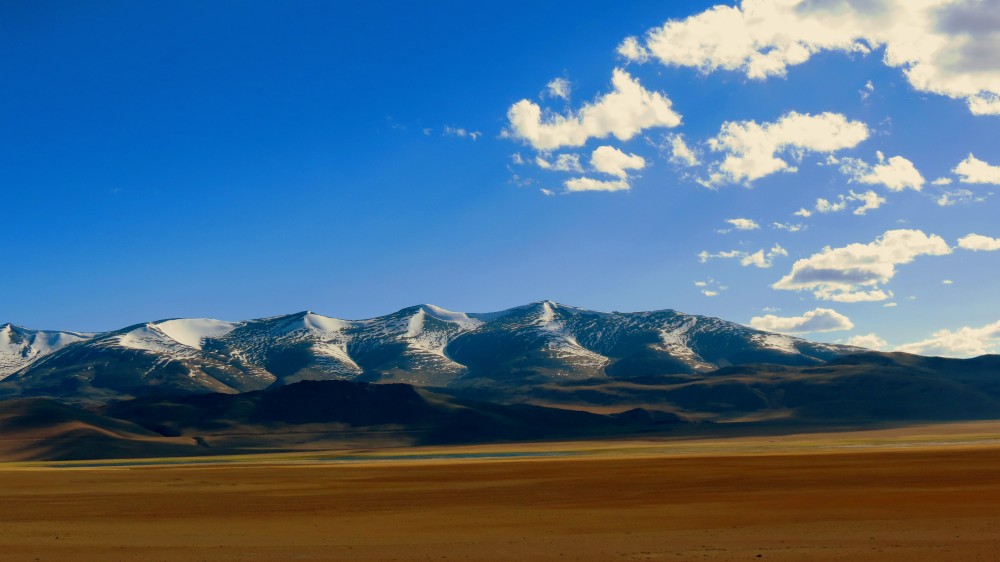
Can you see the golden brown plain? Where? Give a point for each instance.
(928, 504)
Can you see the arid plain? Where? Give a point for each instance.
(921, 493)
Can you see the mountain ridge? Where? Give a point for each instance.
(422, 345)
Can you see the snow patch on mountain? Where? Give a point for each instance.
(776, 342)
(676, 340)
(148, 337)
(319, 323)
(464, 321)
(193, 331)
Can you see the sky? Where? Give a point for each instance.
(824, 168)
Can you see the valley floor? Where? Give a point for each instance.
(928, 493)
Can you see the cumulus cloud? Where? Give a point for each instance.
(824, 206)
(609, 160)
(946, 47)
(868, 341)
(818, 320)
(562, 163)
(963, 342)
(681, 153)
(590, 184)
(979, 243)
(631, 49)
(754, 150)
(868, 200)
(760, 258)
(624, 112)
(896, 173)
(974, 170)
(855, 273)
(743, 224)
(558, 88)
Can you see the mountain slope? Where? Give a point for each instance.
(863, 387)
(311, 411)
(42, 429)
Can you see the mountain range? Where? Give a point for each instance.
(425, 375)
(424, 345)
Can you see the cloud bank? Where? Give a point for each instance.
(945, 47)
(817, 320)
(855, 273)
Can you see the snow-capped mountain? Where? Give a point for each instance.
(20, 347)
(422, 345)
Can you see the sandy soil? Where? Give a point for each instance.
(914, 502)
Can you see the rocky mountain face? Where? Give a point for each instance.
(422, 345)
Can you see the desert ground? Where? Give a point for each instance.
(921, 493)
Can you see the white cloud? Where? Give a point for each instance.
(547, 192)
(963, 342)
(787, 226)
(855, 272)
(941, 181)
(614, 162)
(868, 341)
(591, 184)
(979, 243)
(710, 288)
(869, 200)
(562, 163)
(818, 320)
(760, 258)
(974, 170)
(632, 50)
(743, 224)
(804, 213)
(896, 173)
(824, 206)
(752, 149)
(681, 153)
(946, 47)
(947, 282)
(955, 196)
(867, 91)
(624, 112)
(559, 88)
(520, 181)
(517, 159)
(460, 132)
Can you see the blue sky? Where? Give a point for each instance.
(237, 160)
